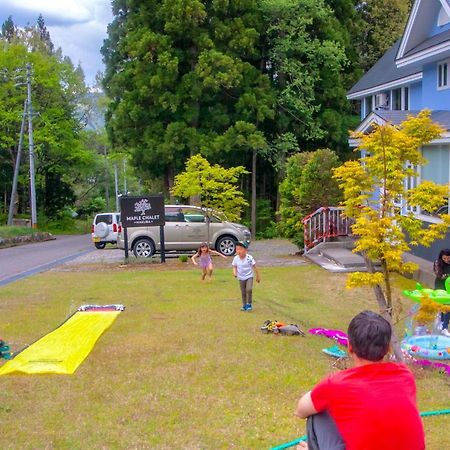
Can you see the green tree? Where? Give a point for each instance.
(215, 187)
(308, 185)
(306, 62)
(384, 23)
(9, 30)
(58, 90)
(179, 75)
(390, 155)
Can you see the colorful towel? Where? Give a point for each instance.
(339, 336)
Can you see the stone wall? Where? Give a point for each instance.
(21, 240)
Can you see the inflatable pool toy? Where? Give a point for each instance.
(430, 346)
(437, 295)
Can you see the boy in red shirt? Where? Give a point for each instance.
(369, 407)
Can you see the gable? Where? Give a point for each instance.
(424, 16)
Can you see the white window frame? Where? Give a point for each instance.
(438, 73)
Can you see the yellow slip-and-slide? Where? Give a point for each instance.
(65, 348)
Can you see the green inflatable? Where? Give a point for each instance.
(438, 295)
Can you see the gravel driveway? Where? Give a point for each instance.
(269, 252)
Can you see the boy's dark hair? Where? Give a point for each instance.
(369, 335)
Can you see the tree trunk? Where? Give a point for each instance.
(386, 312)
(253, 215)
(169, 180)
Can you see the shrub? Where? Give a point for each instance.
(308, 185)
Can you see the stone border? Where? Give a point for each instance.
(27, 239)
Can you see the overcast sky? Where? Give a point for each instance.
(77, 26)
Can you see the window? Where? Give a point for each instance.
(442, 74)
(105, 218)
(437, 168)
(406, 99)
(397, 99)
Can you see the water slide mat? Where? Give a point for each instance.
(65, 348)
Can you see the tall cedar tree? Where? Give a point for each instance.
(184, 77)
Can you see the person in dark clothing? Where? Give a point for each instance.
(441, 268)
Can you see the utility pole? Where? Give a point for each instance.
(116, 183)
(106, 178)
(31, 150)
(16, 167)
(125, 192)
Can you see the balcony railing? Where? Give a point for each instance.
(324, 224)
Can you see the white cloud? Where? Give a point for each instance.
(77, 26)
(61, 11)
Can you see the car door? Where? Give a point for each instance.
(196, 229)
(172, 235)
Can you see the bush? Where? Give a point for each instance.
(95, 205)
(183, 258)
(63, 222)
(308, 185)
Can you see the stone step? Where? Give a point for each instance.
(343, 257)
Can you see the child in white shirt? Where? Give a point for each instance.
(244, 266)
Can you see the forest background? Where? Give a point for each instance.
(254, 83)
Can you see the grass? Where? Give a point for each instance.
(182, 367)
(72, 226)
(13, 231)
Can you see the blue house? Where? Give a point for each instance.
(414, 74)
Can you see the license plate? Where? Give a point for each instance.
(95, 239)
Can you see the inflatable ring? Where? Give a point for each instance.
(430, 346)
(437, 295)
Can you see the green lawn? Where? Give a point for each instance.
(182, 367)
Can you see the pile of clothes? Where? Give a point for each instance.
(276, 327)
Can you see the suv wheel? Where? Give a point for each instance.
(226, 245)
(143, 248)
(100, 245)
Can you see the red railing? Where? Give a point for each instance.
(325, 223)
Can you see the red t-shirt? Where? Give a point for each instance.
(374, 407)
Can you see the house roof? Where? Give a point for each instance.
(431, 42)
(383, 72)
(441, 117)
(416, 44)
(382, 117)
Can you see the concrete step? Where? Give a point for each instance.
(343, 257)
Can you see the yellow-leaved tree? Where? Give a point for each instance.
(375, 187)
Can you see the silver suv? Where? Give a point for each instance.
(105, 228)
(186, 228)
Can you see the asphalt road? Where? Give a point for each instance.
(24, 260)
